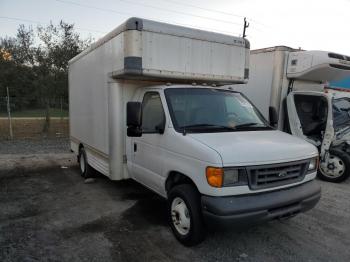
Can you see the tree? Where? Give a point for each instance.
(36, 64)
(58, 45)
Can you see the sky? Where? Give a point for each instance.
(306, 24)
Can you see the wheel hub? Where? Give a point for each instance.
(333, 168)
(180, 216)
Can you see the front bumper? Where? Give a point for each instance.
(260, 207)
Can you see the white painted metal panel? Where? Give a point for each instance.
(317, 66)
(117, 52)
(175, 57)
(259, 87)
(148, 50)
(88, 98)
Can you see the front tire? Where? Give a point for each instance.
(185, 215)
(85, 168)
(337, 169)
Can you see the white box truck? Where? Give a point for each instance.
(289, 86)
(203, 147)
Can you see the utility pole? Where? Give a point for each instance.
(245, 26)
(9, 112)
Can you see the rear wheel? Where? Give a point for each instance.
(85, 169)
(337, 168)
(185, 215)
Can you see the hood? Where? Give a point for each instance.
(256, 147)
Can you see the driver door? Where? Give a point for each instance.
(147, 149)
(295, 118)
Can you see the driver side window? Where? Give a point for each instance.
(153, 117)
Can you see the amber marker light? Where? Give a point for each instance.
(215, 176)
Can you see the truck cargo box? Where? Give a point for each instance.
(144, 50)
(136, 54)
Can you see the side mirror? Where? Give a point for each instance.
(273, 116)
(134, 119)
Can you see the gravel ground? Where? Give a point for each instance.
(32, 146)
(48, 213)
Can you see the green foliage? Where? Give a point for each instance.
(37, 67)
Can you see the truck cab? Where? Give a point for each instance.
(238, 169)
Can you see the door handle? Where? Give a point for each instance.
(135, 147)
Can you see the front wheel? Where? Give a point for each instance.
(185, 216)
(337, 168)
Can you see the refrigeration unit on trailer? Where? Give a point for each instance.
(289, 86)
(154, 102)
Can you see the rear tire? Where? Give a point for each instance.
(85, 168)
(337, 169)
(185, 215)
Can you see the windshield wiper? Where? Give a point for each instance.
(205, 126)
(246, 125)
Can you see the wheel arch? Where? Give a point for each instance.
(175, 178)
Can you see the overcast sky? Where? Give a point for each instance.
(309, 24)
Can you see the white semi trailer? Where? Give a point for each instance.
(289, 86)
(148, 102)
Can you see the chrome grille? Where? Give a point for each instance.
(266, 176)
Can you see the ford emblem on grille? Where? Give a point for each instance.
(282, 174)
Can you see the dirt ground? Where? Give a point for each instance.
(48, 213)
(32, 127)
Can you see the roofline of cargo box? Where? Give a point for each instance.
(275, 48)
(141, 24)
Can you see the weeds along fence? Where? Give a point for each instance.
(31, 117)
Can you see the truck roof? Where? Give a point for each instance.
(140, 24)
(275, 48)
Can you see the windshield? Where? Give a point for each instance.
(212, 110)
(341, 113)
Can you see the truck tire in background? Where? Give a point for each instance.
(185, 216)
(85, 168)
(337, 168)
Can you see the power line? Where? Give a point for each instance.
(39, 22)
(216, 11)
(132, 14)
(91, 30)
(146, 5)
(182, 13)
(205, 9)
(94, 7)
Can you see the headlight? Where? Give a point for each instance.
(222, 177)
(235, 177)
(313, 165)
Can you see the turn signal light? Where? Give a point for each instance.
(215, 176)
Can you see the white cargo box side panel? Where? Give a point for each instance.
(88, 95)
(185, 58)
(259, 87)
